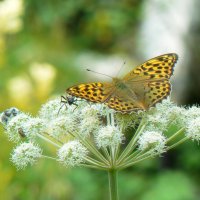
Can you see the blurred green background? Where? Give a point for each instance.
(46, 46)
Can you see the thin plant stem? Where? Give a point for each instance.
(133, 155)
(49, 157)
(93, 167)
(177, 143)
(88, 145)
(106, 153)
(94, 162)
(131, 144)
(146, 155)
(47, 140)
(113, 184)
(175, 135)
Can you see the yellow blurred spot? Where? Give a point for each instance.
(10, 13)
(2, 49)
(43, 75)
(20, 90)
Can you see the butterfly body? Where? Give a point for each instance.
(140, 89)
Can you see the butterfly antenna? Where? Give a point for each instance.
(121, 68)
(89, 70)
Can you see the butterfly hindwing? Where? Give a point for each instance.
(157, 92)
(119, 104)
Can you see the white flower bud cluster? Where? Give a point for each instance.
(25, 154)
(152, 141)
(164, 115)
(108, 136)
(72, 153)
(193, 129)
(15, 127)
(96, 126)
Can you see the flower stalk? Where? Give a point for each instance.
(113, 184)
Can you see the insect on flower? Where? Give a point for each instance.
(68, 99)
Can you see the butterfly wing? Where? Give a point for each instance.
(146, 85)
(160, 67)
(150, 81)
(124, 101)
(94, 92)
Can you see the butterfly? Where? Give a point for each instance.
(140, 89)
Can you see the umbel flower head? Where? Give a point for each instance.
(92, 135)
(72, 153)
(153, 141)
(25, 154)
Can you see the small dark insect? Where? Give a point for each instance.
(68, 99)
(8, 114)
(21, 133)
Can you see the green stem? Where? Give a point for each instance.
(90, 146)
(175, 135)
(93, 167)
(132, 143)
(94, 162)
(177, 143)
(113, 184)
(46, 139)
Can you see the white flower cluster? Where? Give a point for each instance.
(108, 136)
(15, 127)
(163, 115)
(152, 141)
(25, 154)
(193, 129)
(72, 153)
(80, 124)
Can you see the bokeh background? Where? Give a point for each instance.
(46, 46)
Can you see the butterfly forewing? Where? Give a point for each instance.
(160, 67)
(95, 92)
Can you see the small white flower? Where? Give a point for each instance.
(72, 153)
(165, 114)
(157, 121)
(60, 126)
(153, 141)
(25, 154)
(102, 109)
(15, 126)
(89, 111)
(50, 110)
(191, 113)
(108, 136)
(88, 125)
(55, 108)
(32, 127)
(193, 129)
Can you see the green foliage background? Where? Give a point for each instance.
(58, 32)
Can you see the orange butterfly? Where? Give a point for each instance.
(140, 89)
